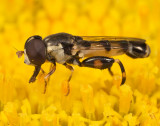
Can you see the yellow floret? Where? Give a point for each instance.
(92, 97)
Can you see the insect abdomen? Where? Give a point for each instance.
(138, 50)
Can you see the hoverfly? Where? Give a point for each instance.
(68, 49)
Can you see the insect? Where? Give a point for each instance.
(68, 49)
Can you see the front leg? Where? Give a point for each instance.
(100, 62)
(36, 71)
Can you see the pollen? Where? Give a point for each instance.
(92, 97)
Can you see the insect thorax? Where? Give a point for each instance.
(59, 47)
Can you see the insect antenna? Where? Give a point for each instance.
(18, 53)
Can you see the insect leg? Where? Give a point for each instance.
(52, 70)
(43, 71)
(71, 69)
(122, 70)
(100, 62)
(110, 71)
(46, 78)
(36, 71)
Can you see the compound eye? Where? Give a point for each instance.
(35, 50)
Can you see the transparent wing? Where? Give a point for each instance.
(107, 42)
(112, 38)
(105, 45)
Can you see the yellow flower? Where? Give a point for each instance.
(92, 97)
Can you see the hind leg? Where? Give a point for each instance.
(100, 62)
(110, 71)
